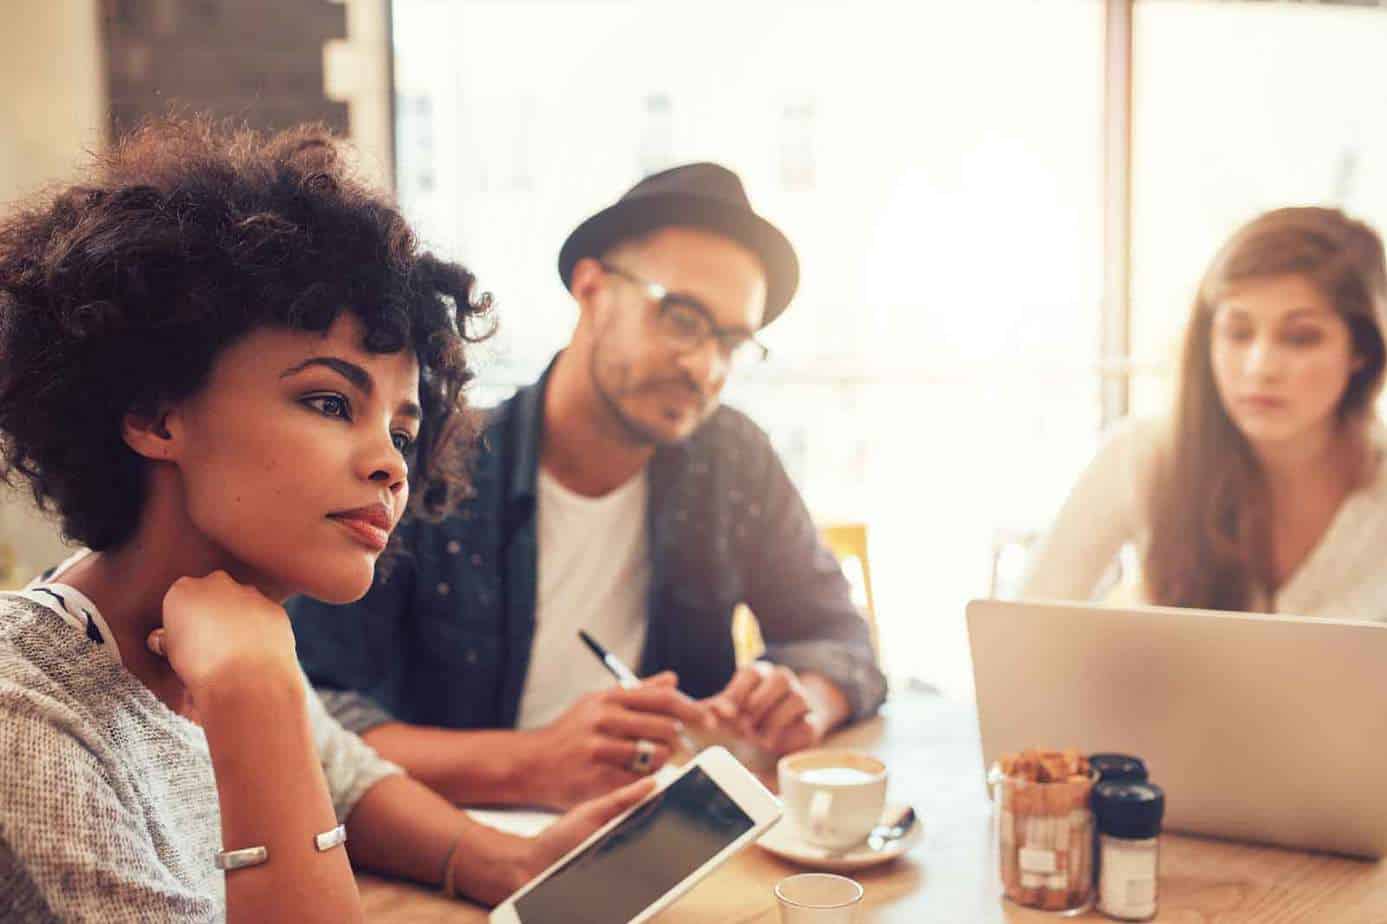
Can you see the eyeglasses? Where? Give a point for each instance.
(686, 323)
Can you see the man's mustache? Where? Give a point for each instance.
(679, 382)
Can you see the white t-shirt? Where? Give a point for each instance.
(594, 574)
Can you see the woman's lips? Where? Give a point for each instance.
(368, 534)
(368, 525)
(1263, 403)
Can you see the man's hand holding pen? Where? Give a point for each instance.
(597, 744)
(767, 705)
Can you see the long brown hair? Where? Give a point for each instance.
(1210, 542)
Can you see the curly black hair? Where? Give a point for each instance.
(117, 294)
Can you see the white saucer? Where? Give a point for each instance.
(783, 841)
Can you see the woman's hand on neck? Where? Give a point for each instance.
(128, 583)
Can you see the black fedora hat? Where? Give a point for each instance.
(702, 195)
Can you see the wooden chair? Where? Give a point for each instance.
(848, 542)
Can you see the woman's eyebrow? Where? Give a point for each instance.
(1306, 312)
(348, 370)
(353, 373)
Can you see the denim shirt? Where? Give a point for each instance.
(445, 639)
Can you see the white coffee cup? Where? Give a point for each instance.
(833, 798)
(817, 898)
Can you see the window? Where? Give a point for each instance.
(937, 374)
(797, 145)
(415, 178)
(657, 134)
(1240, 108)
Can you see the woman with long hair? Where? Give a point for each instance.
(227, 369)
(1267, 490)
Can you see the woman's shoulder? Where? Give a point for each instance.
(40, 680)
(82, 768)
(1130, 449)
(31, 632)
(1137, 436)
(53, 677)
(24, 628)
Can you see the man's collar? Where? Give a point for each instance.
(528, 428)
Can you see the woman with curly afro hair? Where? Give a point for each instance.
(227, 369)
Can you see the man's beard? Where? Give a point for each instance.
(635, 432)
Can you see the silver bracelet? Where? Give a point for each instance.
(330, 839)
(254, 856)
(240, 859)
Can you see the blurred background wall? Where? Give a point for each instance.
(77, 73)
(53, 107)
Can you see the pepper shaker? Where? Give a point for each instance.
(1128, 814)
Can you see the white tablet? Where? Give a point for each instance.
(642, 861)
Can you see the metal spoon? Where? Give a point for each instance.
(880, 837)
(884, 834)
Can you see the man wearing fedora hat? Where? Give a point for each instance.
(617, 497)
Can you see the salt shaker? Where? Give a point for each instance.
(1129, 816)
(1112, 767)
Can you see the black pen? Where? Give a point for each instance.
(620, 671)
(626, 678)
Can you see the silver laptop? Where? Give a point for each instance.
(1260, 728)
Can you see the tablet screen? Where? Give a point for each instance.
(625, 871)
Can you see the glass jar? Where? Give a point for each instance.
(1043, 840)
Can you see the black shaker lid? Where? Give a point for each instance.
(1118, 767)
(1130, 809)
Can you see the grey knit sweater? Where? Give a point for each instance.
(108, 805)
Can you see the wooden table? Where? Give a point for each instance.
(931, 746)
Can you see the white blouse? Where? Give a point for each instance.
(1343, 577)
